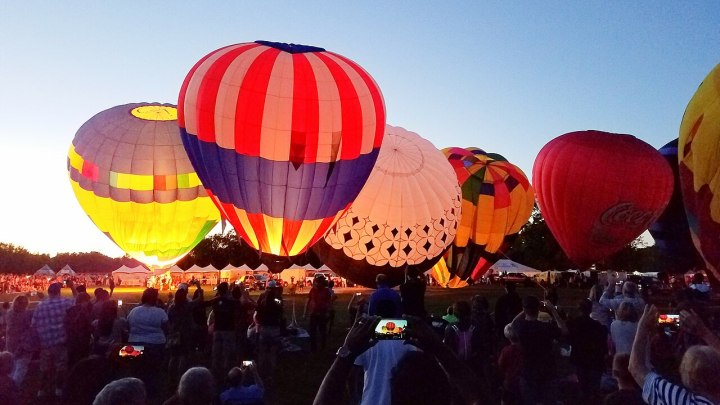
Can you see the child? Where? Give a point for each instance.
(510, 364)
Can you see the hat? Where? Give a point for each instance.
(272, 284)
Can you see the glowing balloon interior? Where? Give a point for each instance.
(497, 201)
(406, 214)
(132, 177)
(283, 137)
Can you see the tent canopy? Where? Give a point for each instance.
(509, 266)
(67, 270)
(45, 271)
(132, 270)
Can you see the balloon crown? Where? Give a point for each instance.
(291, 48)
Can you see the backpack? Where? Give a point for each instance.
(463, 344)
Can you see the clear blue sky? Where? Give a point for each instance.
(504, 76)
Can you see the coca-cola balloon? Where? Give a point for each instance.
(699, 156)
(599, 191)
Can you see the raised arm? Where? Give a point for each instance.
(358, 340)
(556, 316)
(638, 365)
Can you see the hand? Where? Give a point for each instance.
(648, 320)
(360, 337)
(691, 322)
(421, 335)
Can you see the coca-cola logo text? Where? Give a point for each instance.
(626, 214)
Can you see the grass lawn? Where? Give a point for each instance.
(299, 375)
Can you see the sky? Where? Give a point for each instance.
(505, 76)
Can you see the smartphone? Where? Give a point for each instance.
(358, 294)
(670, 322)
(247, 363)
(119, 303)
(131, 351)
(390, 329)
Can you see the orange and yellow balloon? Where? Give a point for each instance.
(497, 201)
(132, 177)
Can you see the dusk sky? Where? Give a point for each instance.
(504, 76)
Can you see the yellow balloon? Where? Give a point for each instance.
(131, 175)
(699, 166)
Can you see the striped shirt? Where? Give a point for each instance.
(660, 391)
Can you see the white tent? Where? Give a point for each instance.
(206, 275)
(175, 270)
(66, 271)
(231, 273)
(137, 275)
(45, 271)
(509, 266)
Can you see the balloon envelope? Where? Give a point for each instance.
(599, 191)
(671, 231)
(405, 215)
(131, 175)
(497, 201)
(283, 137)
(699, 157)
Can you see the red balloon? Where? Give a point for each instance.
(599, 191)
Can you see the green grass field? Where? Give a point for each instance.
(299, 375)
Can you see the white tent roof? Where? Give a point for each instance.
(67, 270)
(509, 266)
(262, 267)
(197, 269)
(175, 269)
(45, 271)
(134, 270)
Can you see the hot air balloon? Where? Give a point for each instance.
(283, 137)
(671, 231)
(131, 175)
(699, 156)
(599, 191)
(406, 215)
(497, 201)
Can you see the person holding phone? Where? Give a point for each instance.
(536, 339)
(699, 367)
(246, 386)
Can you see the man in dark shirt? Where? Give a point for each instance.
(384, 301)
(412, 293)
(507, 307)
(588, 339)
(223, 348)
(536, 339)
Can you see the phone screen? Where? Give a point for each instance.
(247, 363)
(131, 351)
(119, 303)
(669, 321)
(391, 329)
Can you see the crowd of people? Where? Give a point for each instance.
(612, 349)
(15, 283)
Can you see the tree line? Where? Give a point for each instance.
(534, 246)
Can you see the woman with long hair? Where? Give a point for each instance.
(21, 341)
